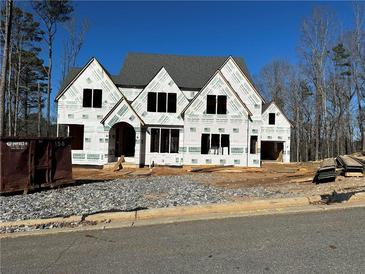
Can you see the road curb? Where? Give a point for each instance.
(181, 211)
(174, 213)
(191, 213)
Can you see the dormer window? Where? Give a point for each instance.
(92, 98)
(271, 118)
(161, 102)
(216, 104)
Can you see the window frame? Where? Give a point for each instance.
(210, 141)
(168, 106)
(253, 149)
(216, 101)
(159, 130)
(272, 114)
(92, 91)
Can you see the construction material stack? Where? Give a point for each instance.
(351, 167)
(326, 172)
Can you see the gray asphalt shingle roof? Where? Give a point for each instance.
(72, 73)
(189, 72)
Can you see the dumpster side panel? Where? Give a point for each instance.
(62, 165)
(15, 165)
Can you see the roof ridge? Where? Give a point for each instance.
(181, 55)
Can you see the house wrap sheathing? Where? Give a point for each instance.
(171, 110)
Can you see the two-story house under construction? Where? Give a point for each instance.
(171, 110)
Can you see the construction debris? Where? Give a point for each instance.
(360, 159)
(326, 172)
(209, 169)
(119, 165)
(351, 167)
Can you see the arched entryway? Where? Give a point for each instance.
(122, 140)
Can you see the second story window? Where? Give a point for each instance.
(216, 104)
(161, 102)
(271, 118)
(92, 98)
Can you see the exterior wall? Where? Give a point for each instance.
(278, 132)
(70, 111)
(248, 95)
(189, 94)
(234, 123)
(130, 93)
(124, 113)
(162, 82)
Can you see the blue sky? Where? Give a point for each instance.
(257, 31)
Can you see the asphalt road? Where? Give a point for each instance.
(326, 242)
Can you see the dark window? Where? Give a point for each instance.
(225, 144)
(205, 144)
(211, 104)
(217, 144)
(174, 148)
(161, 106)
(271, 118)
(165, 140)
(253, 144)
(222, 104)
(77, 134)
(97, 98)
(87, 98)
(151, 102)
(171, 102)
(155, 139)
(169, 140)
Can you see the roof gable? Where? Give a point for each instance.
(121, 112)
(268, 107)
(217, 85)
(75, 73)
(161, 82)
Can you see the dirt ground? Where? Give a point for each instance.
(293, 178)
(268, 174)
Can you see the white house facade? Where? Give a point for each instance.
(171, 110)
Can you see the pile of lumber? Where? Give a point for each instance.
(326, 172)
(351, 167)
(360, 159)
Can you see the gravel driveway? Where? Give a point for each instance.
(123, 195)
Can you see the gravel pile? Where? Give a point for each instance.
(122, 195)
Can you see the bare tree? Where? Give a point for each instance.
(357, 45)
(4, 65)
(73, 45)
(51, 13)
(315, 44)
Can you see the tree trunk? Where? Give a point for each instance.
(39, 111)
(49, 73)
(17, 94)
(4, 67)
(9, 94)
(297, 134)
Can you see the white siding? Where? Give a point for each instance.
(130, 93)
(234, 123)
(278, 132)
(71, 111)
(162, 82)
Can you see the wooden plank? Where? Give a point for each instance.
(118, 165)
(354, 174)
